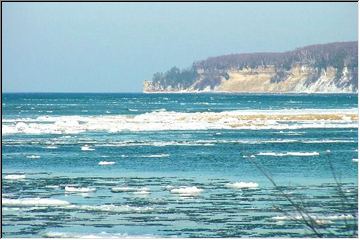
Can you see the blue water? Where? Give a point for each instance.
(156, 144)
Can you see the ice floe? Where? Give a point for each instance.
(241, 185)
(30, 202)
(288, 154)
(102, 163)
(15, 177)
(79, 189)
(187, 191)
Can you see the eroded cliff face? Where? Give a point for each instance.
(321, 68)
(270, 79)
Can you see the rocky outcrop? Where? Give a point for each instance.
(327, 68)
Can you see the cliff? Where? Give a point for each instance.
(329, 68)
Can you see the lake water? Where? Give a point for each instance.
(177, 165)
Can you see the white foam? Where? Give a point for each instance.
(355, 160)
(136, 191)
(87, 148)
(33, 157)
(110, 208)
(339, 217)
(155, 156)
(169, 187)
(51, 147)
(168, 120)
(79, 189)
(106, 163)
(319, 219)
(161, 144)
(102, 235)
(123, 189)
(278, 141)
(291, 133)
(328, 141)
(15, 177)
(142, 191)
(31, 202)
(288, 154)
(241, 185)
(187, 191)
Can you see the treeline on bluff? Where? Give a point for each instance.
(320, 56)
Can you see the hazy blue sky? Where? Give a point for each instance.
(113, 47)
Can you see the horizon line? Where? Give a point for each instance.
(261, 93)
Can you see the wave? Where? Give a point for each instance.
(15, 177)
(102, 163)
(79, 189)
(288, 154)
(33, 202)
(168, 120)
(241, 185)
(187, 191)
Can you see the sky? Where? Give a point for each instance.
(114, 47)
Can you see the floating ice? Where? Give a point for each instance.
(318, 218)
(87, 148)
(51, 147)
(187, 191)
(240, 185)
(139, 191)
(79, 189)
(288, 154)
(106, 163)
(14, 177)
(102, 235)
(142, 191)
(30, 202)
(109, 208)
(123, 189)
(168, 120)
(155, 156)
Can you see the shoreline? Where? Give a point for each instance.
(193, 92)
(247, 93)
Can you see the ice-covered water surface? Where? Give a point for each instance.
(180, 165)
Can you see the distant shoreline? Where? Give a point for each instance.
(194, 92)
(258, 93)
